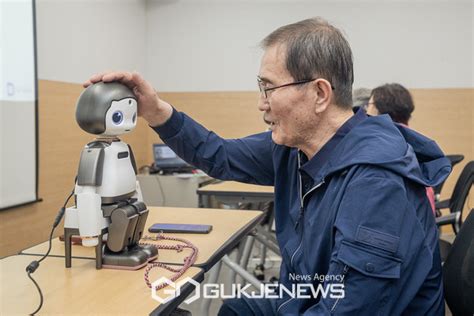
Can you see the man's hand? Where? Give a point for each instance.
(154, 110)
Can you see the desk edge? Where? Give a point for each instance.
(230, 243)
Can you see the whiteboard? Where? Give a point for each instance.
(18, 104)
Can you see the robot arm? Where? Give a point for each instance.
(138, 191)
(89, 214)
(89, 203)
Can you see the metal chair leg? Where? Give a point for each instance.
(213, 276)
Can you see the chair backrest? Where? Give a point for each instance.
(458, 271)
(462, 188)
(454, 159)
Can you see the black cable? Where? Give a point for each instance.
(40, 293)
(31, 268)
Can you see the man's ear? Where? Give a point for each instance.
(323, 95)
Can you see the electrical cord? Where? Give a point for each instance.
(31, 268)
(39, 290)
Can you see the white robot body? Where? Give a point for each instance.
(118, 175)
(118, 183)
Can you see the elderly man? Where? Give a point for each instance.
(350, 203)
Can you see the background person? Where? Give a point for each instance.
(360, 98)
(396, 101)
(392, 99)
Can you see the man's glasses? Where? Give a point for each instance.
(264, 90)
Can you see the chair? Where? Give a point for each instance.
(454, 159)
(458, 271)
(455, 204)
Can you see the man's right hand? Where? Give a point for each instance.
(154, 110)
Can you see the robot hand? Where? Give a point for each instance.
(89, 216)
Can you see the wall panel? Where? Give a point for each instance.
(445, 115)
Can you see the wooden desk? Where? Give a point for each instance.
(229, 227)
(235, 192)
(82, 290)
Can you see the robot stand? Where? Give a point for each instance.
(121, 250)
(134, 259)
(68, 233)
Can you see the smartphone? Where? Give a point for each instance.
(180, 228)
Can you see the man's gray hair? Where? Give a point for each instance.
(316, 49)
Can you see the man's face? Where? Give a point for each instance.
(288, 110)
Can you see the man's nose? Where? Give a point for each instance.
(263, 104)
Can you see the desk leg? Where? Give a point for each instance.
(244, 261)
(268, 243)
(213, 276)
(205, 201)
(263, 254)
(201, 201)
(242, 272)
(240, 251)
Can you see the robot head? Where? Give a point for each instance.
(107, 109)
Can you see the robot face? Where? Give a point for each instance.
(121, 117)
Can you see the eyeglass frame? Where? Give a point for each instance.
(263, 91)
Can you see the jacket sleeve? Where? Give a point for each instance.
(246, 159)
(377, 239)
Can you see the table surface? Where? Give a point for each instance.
(236, 188)
(82, 290)
(229, 226)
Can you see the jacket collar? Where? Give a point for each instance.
(316, 166)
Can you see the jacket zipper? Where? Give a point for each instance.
(302, 197)
(300, 216)
(284, 303)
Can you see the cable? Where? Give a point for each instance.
(31, 268)
(40, 293)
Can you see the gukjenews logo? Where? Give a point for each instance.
(268, 290)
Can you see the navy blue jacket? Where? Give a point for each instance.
(366, 216)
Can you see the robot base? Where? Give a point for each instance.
(133, 258)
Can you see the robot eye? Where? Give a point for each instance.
(134, 117)
(117, 117)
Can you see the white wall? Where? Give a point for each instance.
(77, 38)
(213, 45)
(197, 45)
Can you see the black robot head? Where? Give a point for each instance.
(108, 109)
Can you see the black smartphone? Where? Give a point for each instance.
(180, 228)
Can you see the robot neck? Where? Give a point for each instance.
(107, 139)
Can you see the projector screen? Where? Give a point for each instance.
(18, 104)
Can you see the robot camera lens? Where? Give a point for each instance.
(117, 117)
(134, 118)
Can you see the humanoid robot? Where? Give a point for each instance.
(108, 198)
